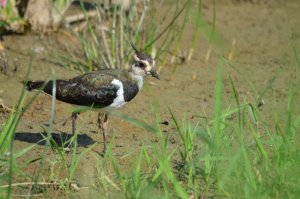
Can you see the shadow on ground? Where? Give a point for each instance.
(61, 138)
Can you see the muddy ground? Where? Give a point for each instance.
(265, 34)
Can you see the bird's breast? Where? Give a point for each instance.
(119, 101)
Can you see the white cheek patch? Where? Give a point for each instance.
(119, 100)
(148, 69)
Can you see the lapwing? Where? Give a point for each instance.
(103, 90)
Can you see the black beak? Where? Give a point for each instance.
(154, 74)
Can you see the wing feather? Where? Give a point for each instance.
(89, 89)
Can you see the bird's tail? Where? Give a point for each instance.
(34, 85)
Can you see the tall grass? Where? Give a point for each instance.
(238, 154)
(10, 166)
(104, 42)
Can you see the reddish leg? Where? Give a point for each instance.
(103, 126)
(74, 117)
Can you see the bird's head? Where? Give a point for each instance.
(143, 65)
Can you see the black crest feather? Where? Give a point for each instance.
(141, 55)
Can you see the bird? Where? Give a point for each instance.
(103, 90)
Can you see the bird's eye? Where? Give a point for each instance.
(140, 64)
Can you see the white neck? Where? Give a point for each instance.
(138, 78)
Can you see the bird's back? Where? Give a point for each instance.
(98, 88)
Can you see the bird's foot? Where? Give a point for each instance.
(68, 149)
(4, 108)
(103, 153)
